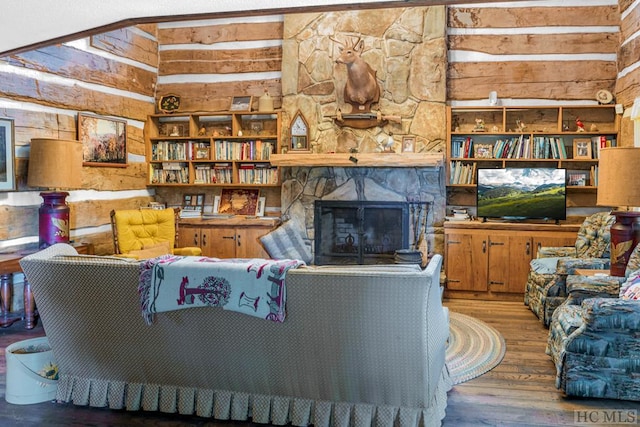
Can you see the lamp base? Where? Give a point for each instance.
(53, 218)
(625, 235)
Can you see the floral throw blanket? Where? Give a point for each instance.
(251, 286)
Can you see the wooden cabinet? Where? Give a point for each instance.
(214, 149)
(558, 136)
(491, 260)
(226, 238)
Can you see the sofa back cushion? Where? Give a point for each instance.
(594, 236)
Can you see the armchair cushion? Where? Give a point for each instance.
(151, 251)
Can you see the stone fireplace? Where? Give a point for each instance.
(418, 190)
(407, 49)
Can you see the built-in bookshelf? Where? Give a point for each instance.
(567, 137)
(228, 148)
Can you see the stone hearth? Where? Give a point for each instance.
(302, 186)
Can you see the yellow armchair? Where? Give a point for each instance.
(147, 233)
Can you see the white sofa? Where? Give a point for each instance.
(361, 345)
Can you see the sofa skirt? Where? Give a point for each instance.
(239, 406)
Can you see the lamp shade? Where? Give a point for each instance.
(617, 177)
(55, 163)
(618, 188)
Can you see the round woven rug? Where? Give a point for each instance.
(474, 348)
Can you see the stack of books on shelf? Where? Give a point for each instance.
(461, 147)
(602, 141)
(169, 150)
(257, 173)
(462, 173)
(170, 173)
(549, 147)
(187, 212)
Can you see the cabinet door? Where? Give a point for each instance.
(188, 236)
(219, 242)
(509, 257)
(466, 256)
(557, 240)
(247, 243)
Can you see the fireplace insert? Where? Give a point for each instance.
(359, 232)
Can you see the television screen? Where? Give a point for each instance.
(522, 193)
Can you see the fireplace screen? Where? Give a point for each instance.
(359, 232)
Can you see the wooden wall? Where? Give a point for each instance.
(208, 62)
(558, 51)
(628, 78)
(112, 74)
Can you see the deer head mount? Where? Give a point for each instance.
(361, 89)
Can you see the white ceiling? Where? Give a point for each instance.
(25, 23)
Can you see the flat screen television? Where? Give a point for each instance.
(522, 193)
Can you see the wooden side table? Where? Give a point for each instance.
(10, 264)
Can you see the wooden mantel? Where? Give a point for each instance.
(370, 160)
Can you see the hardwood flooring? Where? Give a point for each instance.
(518, 392)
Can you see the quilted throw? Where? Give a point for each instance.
(251, 286)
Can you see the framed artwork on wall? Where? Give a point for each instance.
(236, 201)
(7, 155)
(241, 103)
(408, 144)
(104, 140)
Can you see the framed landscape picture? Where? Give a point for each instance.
(7, 158)
(104, 140)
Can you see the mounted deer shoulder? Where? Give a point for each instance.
(361, 89)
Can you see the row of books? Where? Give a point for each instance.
(246, 150)
(220, 173)
(602, 141)
(461, 147)
(223, 150)
(170, 173)
(462, 173)
(257, 174)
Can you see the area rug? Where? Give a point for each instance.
(474, 348)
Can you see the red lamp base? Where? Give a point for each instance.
(54, 218)
(625, 235)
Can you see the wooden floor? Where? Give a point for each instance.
(519, 392)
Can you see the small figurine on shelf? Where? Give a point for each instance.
(202, 131)
(175, 131)
(479, 126)
(521, 125)
(579, 125)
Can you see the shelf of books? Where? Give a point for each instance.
(498, 137)
(213, 149)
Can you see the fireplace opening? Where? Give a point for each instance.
(359, 232)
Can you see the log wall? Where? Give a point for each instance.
(113, 75)
(531, 54)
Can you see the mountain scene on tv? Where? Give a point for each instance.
(527, 193)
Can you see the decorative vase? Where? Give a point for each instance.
(265, 102)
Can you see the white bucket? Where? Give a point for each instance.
(31, 372)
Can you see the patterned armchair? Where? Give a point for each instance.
(545, 289)
(593, 336)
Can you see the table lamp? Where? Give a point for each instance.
(54, 164)
(618, 188)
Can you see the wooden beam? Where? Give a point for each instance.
(380, 160)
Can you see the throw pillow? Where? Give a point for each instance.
(630, 289)
(285, 242)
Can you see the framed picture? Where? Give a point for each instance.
(216, 205)
(261, 204)
(241, 103)
(483, 151)
(577, 179)
(7, 155)
(193, 202)
(104, 140)
(238, 201)
(582, 148)
(408, 144)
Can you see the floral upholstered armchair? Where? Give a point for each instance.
(545, 288)
(594, 336)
